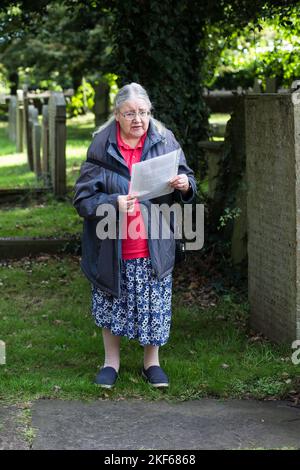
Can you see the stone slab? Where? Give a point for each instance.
(137, 425)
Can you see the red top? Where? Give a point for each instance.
(133, 248)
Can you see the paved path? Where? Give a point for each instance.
(12, 431)
(136, 424)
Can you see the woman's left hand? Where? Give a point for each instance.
(180, 182)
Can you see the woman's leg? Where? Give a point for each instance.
(151, 356)
(112, 349)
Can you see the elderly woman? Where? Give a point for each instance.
(131, 278)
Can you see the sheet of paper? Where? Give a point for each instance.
(151, 178)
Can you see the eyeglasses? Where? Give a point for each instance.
(130, 116)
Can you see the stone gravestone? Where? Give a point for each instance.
(45, 144)
(257, 85)
(271, 84)
(226, 182)
(213, 155)
(57, 142)
(27, 131)
(273, 214)
(20, 120)
(12, 118)
(36, 139)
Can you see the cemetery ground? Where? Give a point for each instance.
(53, 351)
(14, 169)
(45, 217)
(53, 348)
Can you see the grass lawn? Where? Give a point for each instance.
(53, 348)
(14, 170)
(46, 218)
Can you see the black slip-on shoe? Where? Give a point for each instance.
(106, 377)
(155, 376)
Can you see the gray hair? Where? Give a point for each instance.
(126, 93)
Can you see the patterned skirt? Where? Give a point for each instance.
(143, 311)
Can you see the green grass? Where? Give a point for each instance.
(14, 170)
(7, 147)
(53, 348)
(47, 218)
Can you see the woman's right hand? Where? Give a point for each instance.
(126, 203)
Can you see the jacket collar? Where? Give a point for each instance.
(153, 137)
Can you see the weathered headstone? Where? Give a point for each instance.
(45, 144)
(226, 183)
(36, 139)
(273, 208)
(271, 84)
(213, 155)
(12, 118)
(257, 85)
(27, 131)
(221, 101)
(57, 142)
(20, 120)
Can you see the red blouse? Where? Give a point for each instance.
(133, 248)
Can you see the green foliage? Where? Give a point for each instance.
(268, 49)
(82, 101)
(59, 42)
(165, 59)
(111, 80)
(162, 45)
(229, 215)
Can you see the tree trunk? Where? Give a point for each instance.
(14, 82)
(166, 60)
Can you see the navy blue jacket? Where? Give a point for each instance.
(101, 259)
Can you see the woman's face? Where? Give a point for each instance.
(135, 128)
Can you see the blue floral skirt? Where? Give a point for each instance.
(143, 311)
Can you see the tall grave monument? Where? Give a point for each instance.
(273, 213)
